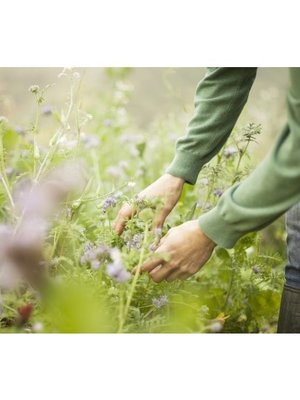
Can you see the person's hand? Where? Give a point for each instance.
(181, 253)
(167, 188)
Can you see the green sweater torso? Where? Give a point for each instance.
(272, 188)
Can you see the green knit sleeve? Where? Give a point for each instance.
(219, 100)
(271, 189)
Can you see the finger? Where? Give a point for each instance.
(151, 264)
(178, 276)
(126, 213)
(173, 276)
(158, 275)
(184, 276)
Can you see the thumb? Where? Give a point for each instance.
(126, 213)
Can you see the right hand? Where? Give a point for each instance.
(167, 188)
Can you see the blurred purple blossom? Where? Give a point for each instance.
(116, 269)
(218, 192)
(115, 171)
(46, 109)
(20, 130)
(134, 242)
(90, 141)
(216, 327)
(94, 255)
(255, 269)
(161, 301)
(109, 202)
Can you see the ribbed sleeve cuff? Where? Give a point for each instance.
(186, 166)
(217, 229)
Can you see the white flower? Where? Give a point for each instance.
(3, 120)
(37, 327)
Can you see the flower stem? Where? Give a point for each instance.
(134, 282)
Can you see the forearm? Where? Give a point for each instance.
(272, 188)
(220, 98)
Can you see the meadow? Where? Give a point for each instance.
(64, 177)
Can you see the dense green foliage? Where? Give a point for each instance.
(237, 291)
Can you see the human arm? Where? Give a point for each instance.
(219, 100)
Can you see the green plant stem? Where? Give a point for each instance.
(241, 155)
(3, 173)
(134, 282)
(229, 290)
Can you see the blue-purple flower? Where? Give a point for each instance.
(116, 269)
(109, 202)
(161, 301)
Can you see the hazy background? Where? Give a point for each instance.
(157, 92)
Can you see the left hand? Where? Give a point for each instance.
(187, 248)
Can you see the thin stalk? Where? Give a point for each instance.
(134, 281)
(241, 155)
(229, 290)
(3, 174)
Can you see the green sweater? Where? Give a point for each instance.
(272, 188)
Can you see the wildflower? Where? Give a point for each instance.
(129, 138)
(216, 327)
(203, 205)
(131, 184)
(115, 171)
(160, 301)
(109, 202)
(218, 192)
(230, 151)
(95, 264)
(66, 143)
(3, 119)
(118, 194)
(135, 242)
(37, 327)
(34, 89)
(255, 269)
(123, 164)
(20, 130)
(47, 110)
(90, 141)
(116, 269)
(94, 255)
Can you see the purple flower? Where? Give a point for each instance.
(135, 242)
(116, 269)
(218, 192)
(20, 130)
(46, 109)
(216, 327)
(94, 255)
(109, 202)
(95, 264)
(115, 171)
(160, 301)
(90, 141)
(255, 269)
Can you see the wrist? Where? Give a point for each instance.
(203, 238)
(176, 179)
